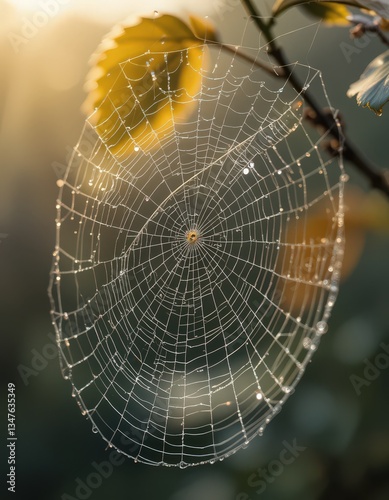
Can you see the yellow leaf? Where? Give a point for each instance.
(384, 24)
(203, 29)
(281, 5)
(306, 244)
(304, 257)
(144, 80)
(309, 245)
(331, 13)
(368, 211)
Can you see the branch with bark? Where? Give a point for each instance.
(318, 116)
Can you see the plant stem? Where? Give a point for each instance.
(382, 37)
(256, 62)
(377, 179)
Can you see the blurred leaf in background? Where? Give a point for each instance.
(364, 213)
(381, 7)
(372, 88)
(330, 12)
(46, 121)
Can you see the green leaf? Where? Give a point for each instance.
(144, 79)
(372, 89)
(381, 7)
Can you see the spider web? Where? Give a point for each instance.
(188, 289)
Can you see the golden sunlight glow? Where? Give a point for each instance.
(26, 5)
(113, 11)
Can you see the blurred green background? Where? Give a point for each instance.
(345, 434)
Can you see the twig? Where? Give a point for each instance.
(382, 37)
(256, 62)
(363, 24)
(377, 179)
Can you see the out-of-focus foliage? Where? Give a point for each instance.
(372, 88)
(130, 76)
(346, 434)
(381, 7)
(363, 213)
(330, 13)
